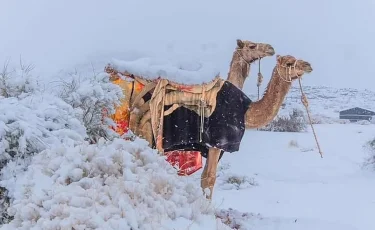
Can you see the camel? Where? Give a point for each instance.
(262, 112)
(223, 110)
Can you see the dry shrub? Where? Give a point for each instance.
(295, 122)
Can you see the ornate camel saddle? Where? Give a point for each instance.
(200, 98)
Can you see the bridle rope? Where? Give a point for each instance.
(305, 102)
(260, 76)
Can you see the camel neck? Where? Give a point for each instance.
(276, 90)
(238, 70)
(262, 112)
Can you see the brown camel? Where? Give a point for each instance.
(145, 116)
(287, 69)
(262, 112)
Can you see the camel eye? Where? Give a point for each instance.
(252, 46)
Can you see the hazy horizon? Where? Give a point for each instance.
(333, 36)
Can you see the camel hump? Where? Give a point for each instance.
(148, 69)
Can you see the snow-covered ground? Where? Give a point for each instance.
(296, 189)
(276, 181)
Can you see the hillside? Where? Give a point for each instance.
(327, 101)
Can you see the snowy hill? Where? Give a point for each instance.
(327, 101)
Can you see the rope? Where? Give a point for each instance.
(239, 54)
(306, 104)
(303, 98)
(260, 78)
(202, 106)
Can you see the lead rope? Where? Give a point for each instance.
(202, 110)
(304, 100)
(260, 78)
(306, 104)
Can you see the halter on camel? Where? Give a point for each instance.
(288, 69)
(260, 76)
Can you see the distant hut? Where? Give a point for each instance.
(356, 114)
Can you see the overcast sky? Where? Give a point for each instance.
(335, 36)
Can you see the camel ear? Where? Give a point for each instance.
(240, 43)
(278, 58)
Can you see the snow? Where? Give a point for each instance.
(112, 185)
(296, 188)
(182, 72)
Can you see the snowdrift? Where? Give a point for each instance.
(51, 177)
(110, 185)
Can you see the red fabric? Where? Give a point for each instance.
(123, 126)
(187, 162)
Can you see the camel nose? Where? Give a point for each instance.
(307, 67)
(270, 50)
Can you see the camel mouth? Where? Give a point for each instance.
(308, 68)
(305, 66)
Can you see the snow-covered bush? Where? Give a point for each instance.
(363, 122)
(295, 122)
(17, 81)
(318, 118)
(231, 181)
(115, 184)
(30, 124)
(370, 149)
(236, 219)
(27, 126)
(90, 95)
(32, 119)
(227, 180)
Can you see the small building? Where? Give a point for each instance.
(356, 114)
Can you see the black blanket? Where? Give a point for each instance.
(224, 129)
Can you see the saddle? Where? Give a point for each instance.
(200, 98)
(134, 111)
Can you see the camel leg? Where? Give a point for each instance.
(208, 177)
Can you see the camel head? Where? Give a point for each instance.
(291, 68)
(251, 51)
